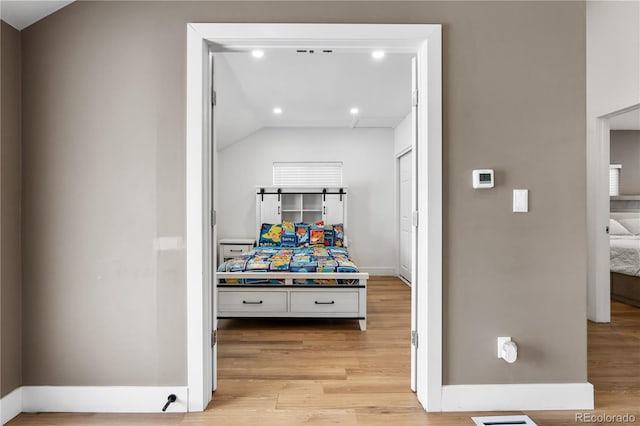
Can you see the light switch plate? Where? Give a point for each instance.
(520, 200)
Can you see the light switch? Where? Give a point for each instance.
(520, 200)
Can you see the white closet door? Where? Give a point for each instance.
(405, 216)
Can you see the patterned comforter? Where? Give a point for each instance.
(299, 259)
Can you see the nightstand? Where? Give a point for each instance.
(233, 247)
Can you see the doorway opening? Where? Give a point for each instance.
(612, 346)
(202, 166)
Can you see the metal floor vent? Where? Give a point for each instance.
(503, 420)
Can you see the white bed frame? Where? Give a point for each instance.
(293, 301)
(288, 300)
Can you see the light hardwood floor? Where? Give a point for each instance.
(328, 372)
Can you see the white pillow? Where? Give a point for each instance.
(631, 224)
(616, 228)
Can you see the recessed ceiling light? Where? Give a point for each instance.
(257, 53)
(354, 111)
(277, 110)
(377, 54)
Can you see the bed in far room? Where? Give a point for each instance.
(624, 238)
(302, 267)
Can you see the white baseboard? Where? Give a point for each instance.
(518, 397)
(404, 280)
(378, 270)
(103, 399)
(11, 405)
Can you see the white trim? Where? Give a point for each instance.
(598, 285)
(426, 39)
(379, 270)
(196, 219)
(428, 281)
(403, 152)
(396, 37)
(518, 397)
(103, 399)
(598, 279)
(11, 405)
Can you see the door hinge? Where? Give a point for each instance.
(414, 98)
(414, 338)
(214, 338)
(213, 218)
(414, 218)
(214, 97)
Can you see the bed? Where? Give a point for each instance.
(624, 238)
(298, 270)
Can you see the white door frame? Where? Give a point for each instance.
(598, 278)
(426, 41)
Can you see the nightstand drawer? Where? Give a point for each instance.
(234, 250)
(324, 301)
(252, 301)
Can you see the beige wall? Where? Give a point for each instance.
(625, 150)
(104, 155)
(10, 285)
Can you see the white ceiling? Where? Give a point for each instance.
(627, 121)
(313, 90)
(22, 13)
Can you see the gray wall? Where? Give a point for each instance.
(10, 285)
(104, 155)
(625, 150)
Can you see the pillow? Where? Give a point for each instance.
(288, 234)
(631, 224)
(616, 228)
(270, 234)
(338, 235)
(316, 234)
(329, 235)
(302, 235)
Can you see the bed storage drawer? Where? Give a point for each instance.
(325, 301)
(252, 301)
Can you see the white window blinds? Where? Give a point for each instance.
(310, 174)
(614, 179)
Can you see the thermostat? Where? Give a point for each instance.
(483, 179)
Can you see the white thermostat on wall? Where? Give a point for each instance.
(483, 179)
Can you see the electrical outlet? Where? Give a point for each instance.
(501, 342)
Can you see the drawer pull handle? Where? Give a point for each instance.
(325, 303)
(235, 250)
(252, 303)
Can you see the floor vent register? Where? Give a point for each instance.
(503, 420)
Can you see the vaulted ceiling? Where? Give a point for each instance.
(312, 89)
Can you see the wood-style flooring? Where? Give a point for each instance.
(328, 372)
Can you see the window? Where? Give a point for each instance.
(310, 174)
(614, 179)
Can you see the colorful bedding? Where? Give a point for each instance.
(291, 259)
